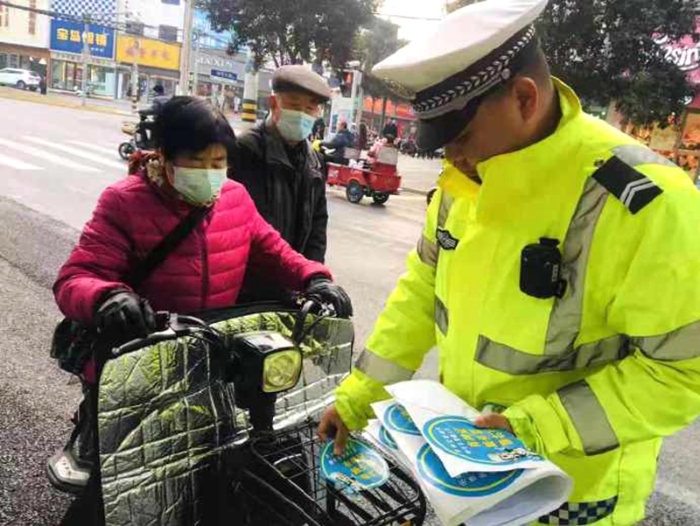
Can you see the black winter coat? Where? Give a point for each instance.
(289, 193)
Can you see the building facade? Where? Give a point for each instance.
(24, 37)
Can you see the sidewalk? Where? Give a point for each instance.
(116, 107)
(418, 175)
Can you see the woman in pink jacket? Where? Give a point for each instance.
(206, 270)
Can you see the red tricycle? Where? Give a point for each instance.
(376, 177)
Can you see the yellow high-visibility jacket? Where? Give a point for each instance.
(593, 379)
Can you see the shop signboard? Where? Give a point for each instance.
(684, 53)
(224, 75)
(148, 52)
(68, 37)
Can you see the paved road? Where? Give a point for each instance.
(53, 164)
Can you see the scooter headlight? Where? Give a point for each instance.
(268, 362)
(281, 371)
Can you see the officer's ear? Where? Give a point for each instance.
(527, 97)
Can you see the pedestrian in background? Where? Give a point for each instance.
(280, 169)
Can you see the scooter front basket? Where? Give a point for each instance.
(286, 487)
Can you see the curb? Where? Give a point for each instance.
(49, 100)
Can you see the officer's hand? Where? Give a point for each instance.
(493, 421)
(332, 426)
(126, 316)
(329, 292)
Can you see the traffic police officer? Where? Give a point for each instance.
(558, 272)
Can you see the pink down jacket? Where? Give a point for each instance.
(204, 272)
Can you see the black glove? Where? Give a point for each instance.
(329, 292)
(125, 316)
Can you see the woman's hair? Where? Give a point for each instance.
(188, 125)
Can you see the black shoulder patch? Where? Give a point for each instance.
(634, 189)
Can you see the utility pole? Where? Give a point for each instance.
(357, 98)
(250, 92)
(186, 48)
(135, 81)
(195, 74)
(85, 58)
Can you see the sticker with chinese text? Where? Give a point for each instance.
(471, 484)
(359, 467)
(457, 436)
(396, 418)
(386, 439)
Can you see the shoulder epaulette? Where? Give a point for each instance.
(634, 189)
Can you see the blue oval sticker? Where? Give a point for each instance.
(386, 439)
(397, 418)
(359, 468)
(473, 484)
(459, 437)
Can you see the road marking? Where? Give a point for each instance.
(48, 156)
(78, 153)
(100, 149)
(17, 164)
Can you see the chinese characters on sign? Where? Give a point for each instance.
(99, 39)
(148, 52)
(68, 37)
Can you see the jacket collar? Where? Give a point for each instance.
(532, 162)
(276, 151)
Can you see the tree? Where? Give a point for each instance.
(292, 32)
(606, 50)
(375, 43)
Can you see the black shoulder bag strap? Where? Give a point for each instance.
(144, 267)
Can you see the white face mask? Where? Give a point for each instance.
(295, 126)
(199, 186)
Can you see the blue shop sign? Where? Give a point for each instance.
(226, 75)
(68, 37)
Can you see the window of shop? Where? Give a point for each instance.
(3, 60)
(168, 33)
(68, 76)
(13, 61)
(134, 28)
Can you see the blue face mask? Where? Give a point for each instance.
(295, 126)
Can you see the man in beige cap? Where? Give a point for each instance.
(283, 174)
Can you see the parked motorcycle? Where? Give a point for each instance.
(141, 135)
(211, 421)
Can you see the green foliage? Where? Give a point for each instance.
(286, 32)
(605, 49)
(374, 43)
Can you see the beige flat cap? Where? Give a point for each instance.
(302, 79)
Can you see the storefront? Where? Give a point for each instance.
(67, 74)
(66, 71)
(221, 78)
(401, 112)
(24, 57)
(158, 64)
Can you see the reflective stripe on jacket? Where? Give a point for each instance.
(594, 379)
